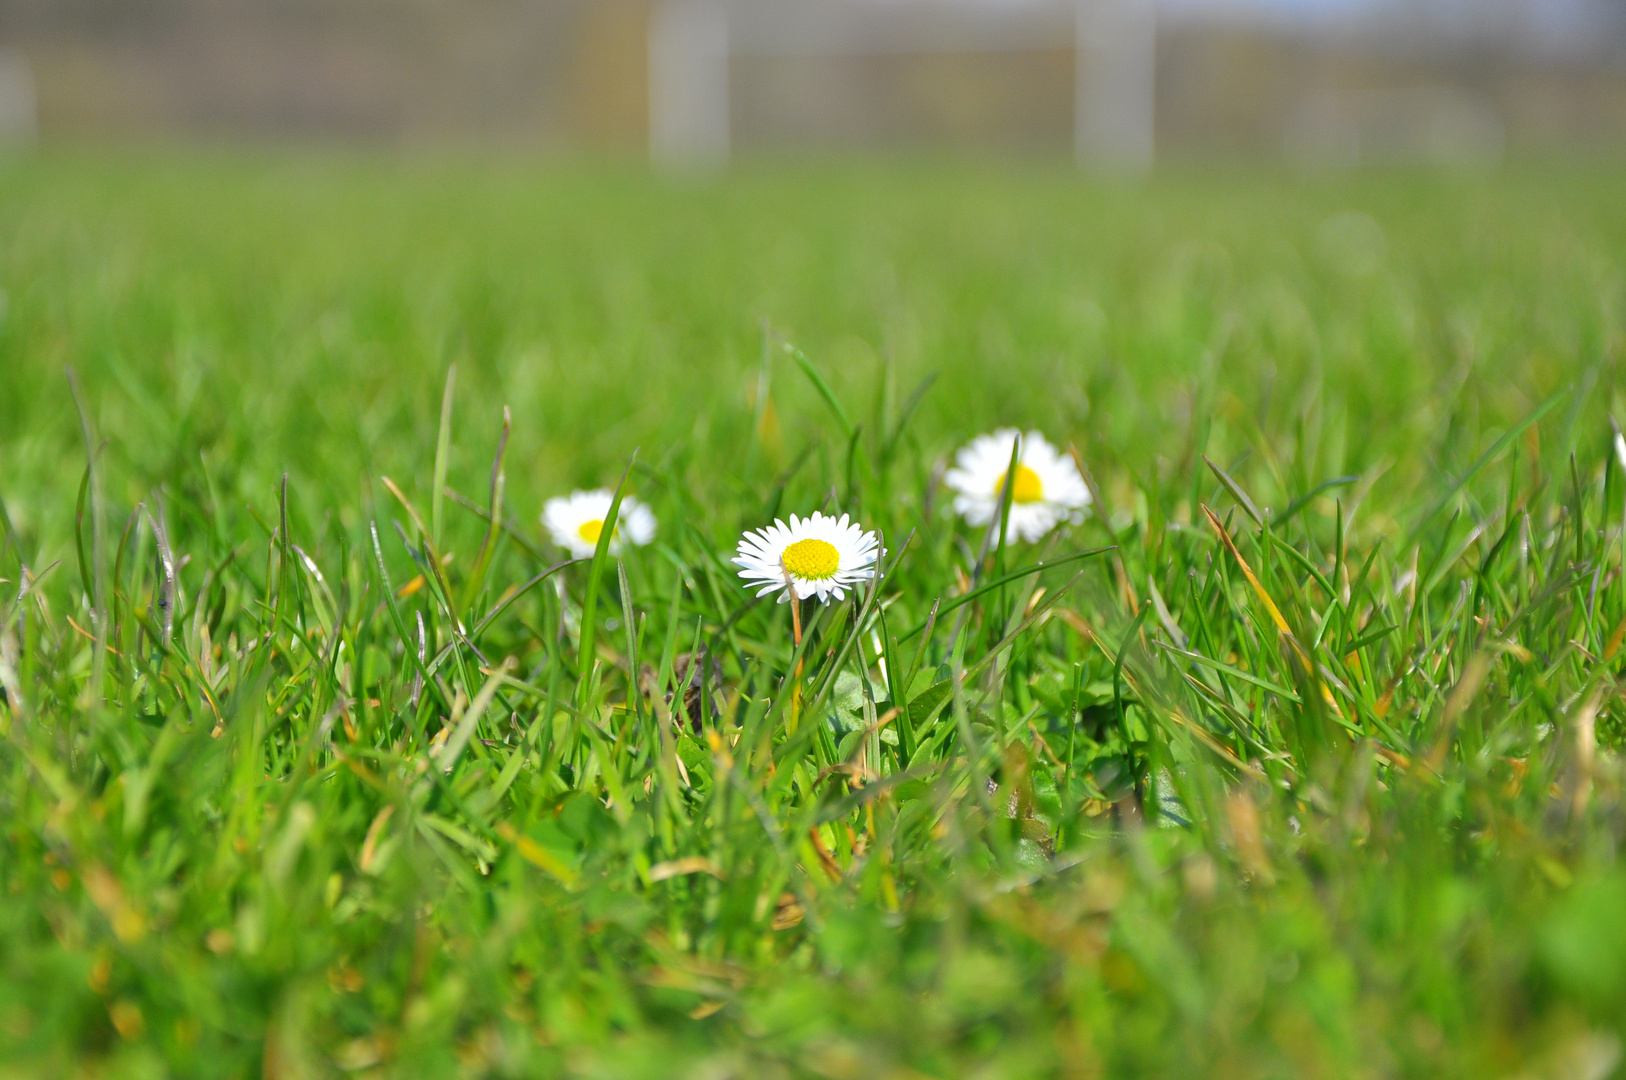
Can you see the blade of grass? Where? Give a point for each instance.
(1236, 491)
(941, 608)
(1484, 459)
(589, 630)
(482, 560)
(1304, 500)
(443, 447)
(819, 384)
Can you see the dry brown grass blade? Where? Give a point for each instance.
(1462, 695)
(1247, 572)
(1275, 613)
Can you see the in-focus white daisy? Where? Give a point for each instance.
(1047, 490)
(576, 521)
(815, 556)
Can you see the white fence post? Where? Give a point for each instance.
(19, 107)
(1116, 84)
(688, 83)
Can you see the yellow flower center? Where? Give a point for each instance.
(811, 560)
(590, 530)
(1027, 489)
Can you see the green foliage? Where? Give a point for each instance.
(1300, 757)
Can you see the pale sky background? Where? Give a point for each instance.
(1551, 12)
(1555, 23)
(1540, 22)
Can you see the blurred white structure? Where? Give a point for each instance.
(1117, 74)
(692, 42)
(19, 108)
(688, 83)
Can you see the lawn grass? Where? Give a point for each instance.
(1298, 758)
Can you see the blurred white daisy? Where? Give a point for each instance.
(1047, 490)
(816, 556)
(577, 520)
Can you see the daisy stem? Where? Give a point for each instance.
(796, 634)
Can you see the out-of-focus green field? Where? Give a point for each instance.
(1327, 785)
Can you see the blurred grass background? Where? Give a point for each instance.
(296, 314)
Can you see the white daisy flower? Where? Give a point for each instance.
(816, 556)
(1047, 491)
(576, 521)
